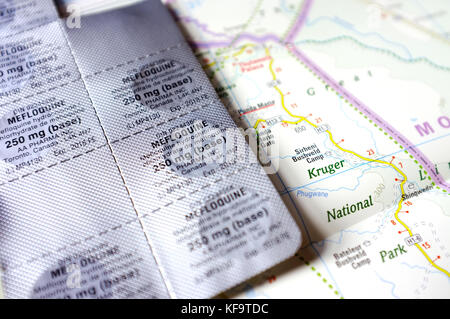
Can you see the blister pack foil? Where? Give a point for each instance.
(122, 175)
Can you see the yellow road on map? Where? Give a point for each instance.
(402, 184)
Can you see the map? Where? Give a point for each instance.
(351, 104)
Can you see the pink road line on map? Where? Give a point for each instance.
(419, 156)
(300, 20)
(202, 26)
(242, 37)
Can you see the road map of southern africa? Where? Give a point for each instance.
(352, 98)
